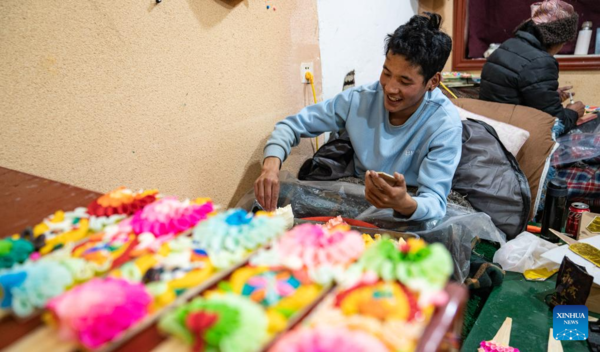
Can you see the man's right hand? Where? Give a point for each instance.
(266, 187)
(577, 107)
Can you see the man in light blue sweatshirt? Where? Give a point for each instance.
(402, 125)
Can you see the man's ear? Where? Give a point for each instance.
(434, 82)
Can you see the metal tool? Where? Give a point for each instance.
(571, 98)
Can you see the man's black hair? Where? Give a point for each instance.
(422, 43)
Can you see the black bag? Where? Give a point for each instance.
(332, 161)
(489, 177)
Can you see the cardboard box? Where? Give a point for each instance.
(593, 301)
(586, 219)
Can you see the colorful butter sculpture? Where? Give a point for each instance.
(372, 239)
(281, 292)
(229, 237)
(169, 268)
(314, 251)
(289, 276)
(108, 209)
(168, 216)
(500, 342)
(168, 271)
(421, 267)
(99, 311)
(62, 228)
(491, 346)
(338, 222)
(165, 265)
(328, 338)
(14, 251)
(221, 322)
(145, 232)
(392, 288)
(334, 222)
(150, 251)
(156, 277)
(107, 249)
(284, 213)
(281, 280)
(592, 109)
(121, 201)
(28, 288)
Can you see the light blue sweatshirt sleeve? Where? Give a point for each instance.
(436, 173)
(327, 116)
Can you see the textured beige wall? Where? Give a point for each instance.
(180, 96)
(585, 84)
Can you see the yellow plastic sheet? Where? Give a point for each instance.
(587, 251)
(594, 226)
(538, 274)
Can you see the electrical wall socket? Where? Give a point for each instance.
(306, 67)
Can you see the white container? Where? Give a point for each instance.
(597, 41)
(583, 39)
(490, 50)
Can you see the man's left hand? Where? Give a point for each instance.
(564, 92)
(383, 195)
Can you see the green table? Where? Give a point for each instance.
(521, 300)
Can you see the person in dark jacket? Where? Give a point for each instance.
(523, 70)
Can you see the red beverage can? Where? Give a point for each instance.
(576, 210)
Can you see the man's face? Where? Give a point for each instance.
(403, 85)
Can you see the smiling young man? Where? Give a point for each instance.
(402, 125)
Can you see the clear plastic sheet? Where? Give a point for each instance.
(581, 144)
(525, 253)
(331, 198)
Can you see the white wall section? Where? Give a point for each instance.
(351, 37)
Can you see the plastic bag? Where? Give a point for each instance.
(525, 253)
(331, 198)
(581, 144)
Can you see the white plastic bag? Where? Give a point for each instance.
(524, 253)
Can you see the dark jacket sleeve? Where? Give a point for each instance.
(539, 88)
